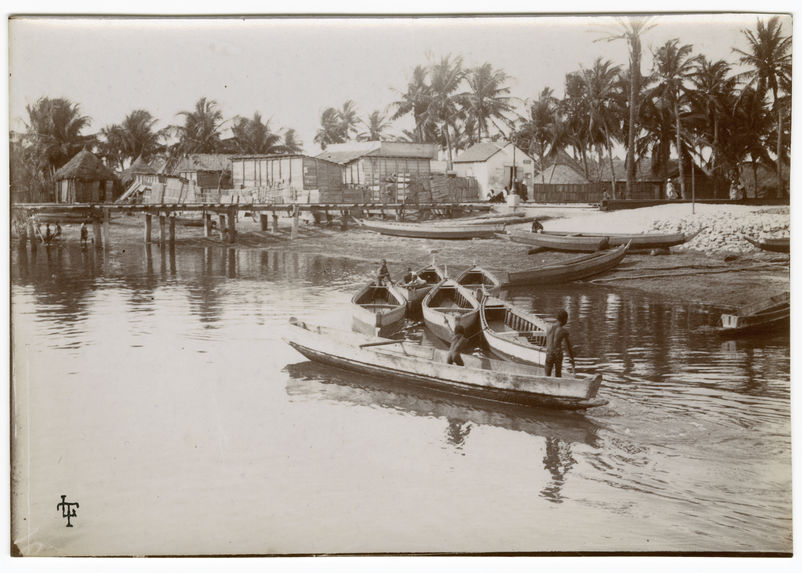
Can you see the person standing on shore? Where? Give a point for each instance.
(671, 193)
(555, 337)
(84, 233)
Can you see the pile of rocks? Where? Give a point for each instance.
(723, 229)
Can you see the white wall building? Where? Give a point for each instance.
(492, 166)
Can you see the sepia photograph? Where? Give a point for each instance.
(402, 284)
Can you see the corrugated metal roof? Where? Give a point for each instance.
(344, 153)
(204, 162)
(478, 152)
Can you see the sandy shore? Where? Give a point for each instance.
(740, 275)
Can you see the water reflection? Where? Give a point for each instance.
(558, 461)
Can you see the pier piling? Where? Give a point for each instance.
(274, 216)
(263, 222)
(232, 224)
(295, 217)
(96, 233)
(148, 227)
(207, 225)
(106, 228)
(221, 221)
(162, 229)
(172, 230)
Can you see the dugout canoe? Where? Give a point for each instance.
(425, 367)
(414, 294)
(573, 269)
(432, 230)
(636, 240)
(512, 219)
(377, 310)
(782, 245)
(512, 334)
(774, 314)
(568, 243)
(477, 277)
(447, 305)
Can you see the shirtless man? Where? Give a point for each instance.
(556, 335)
(457, 341)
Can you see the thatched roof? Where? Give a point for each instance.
(85, 166)
(560, 174)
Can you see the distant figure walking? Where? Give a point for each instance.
(384, 274)
(84, 233)
(556, 335)
(457, 341)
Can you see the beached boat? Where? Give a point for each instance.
(573, 269)
(572, 243)
(477, 277)
(432, 230)
(425, 367)
(377, 310)
(774, 314)
(636, 240)
(513, 334)
(447, 305)
(413, 294)
(510, 219)
(782, 245)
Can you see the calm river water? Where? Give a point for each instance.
(154, 389)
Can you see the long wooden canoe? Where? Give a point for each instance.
(513, 334)
(573, 243)
(781, 245)
(573, 269)
(775, 314)
(425, 367)
(636, 240)
(432, 231)
(511, 219)
(447, 305)
(377, 310)
(477, 277)
(414, 293)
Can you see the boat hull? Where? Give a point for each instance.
(572, 244)
(773, 245)
(636, 240)
(442, 321)
(378, 319)
(424, 231)
(570, 270)
(477, 379)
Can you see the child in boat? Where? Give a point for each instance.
(456, 344)
(556, 335)
(384, 274)
(409, 276)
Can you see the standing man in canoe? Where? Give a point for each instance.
(556, 335)
(384, 274)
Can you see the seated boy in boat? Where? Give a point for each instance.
(555, 336)
(413, 281)
(457, 342)
(384, 274)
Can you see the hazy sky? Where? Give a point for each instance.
(291, 69)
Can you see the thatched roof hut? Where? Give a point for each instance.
(138, 167)
(84, 179)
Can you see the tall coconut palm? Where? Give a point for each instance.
(539, 131)
(445, 105)
(631, 29)
(140, 138)
(747, 127)
(349, 121)
(415, 101)
(291, 142)
(200, 132)
(769, 58)
(330, 130)
(53, 133)
(488, 98)
(713, 86)
(573, 111)
(253, 136)
(376, 125)
(673, 66)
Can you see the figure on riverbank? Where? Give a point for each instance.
(537, 226)
(671, 192)
(457, 341)
(556, 335)
(384, 274)
(48, 234)
(84, 233)
(58, 231)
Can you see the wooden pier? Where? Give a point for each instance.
(99, 214)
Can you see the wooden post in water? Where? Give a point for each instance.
(162, 229)
(232, 224)
(96, 233)
(32, 235)
(295, 216)
(263, 222)
(346, 213)
(148, 227)
(106, 225)
(221, 221)
(207, 224)
(274, 222)
(172, 230)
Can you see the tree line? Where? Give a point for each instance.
(700, 110)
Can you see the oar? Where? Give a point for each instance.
(382, 343)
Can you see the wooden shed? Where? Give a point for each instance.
(84, 179)
(206, 170)
(290, 177)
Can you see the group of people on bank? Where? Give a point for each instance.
(47, 236)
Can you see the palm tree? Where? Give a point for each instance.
(573, 125)
(444, 104)
(673, 65)
(769, 57)
(376, 125)
(291, 142)
(415, 101)
(330, 130)
(712, 87)
(348, 120)
(53, 133)
(488, 97)
(134, 137)
(539, 132)
(200, 132)
(746, 130)
(253, 136)
(631, 30)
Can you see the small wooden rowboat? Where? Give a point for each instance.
(377, 310)
(414, 293)
(513, 334)
(573, 269)
(775, 314)
(447, 305)
(636, 240)
(432, 231)
(425, 367)
(476, 277)
(572, 243)
(782, 245)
